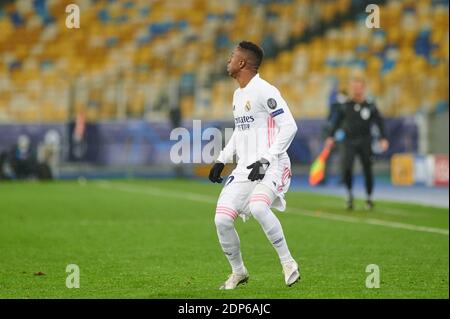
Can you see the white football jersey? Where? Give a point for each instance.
(264, 126)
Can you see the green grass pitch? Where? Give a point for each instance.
(157, 239)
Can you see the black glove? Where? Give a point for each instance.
(214, 173)
(258, 169)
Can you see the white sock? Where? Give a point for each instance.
(229, 240)
(272, 228)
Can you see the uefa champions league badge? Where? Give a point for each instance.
(271, 103)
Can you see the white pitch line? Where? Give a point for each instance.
(317, 214)
(369, 221)
(158, 192)
(392, 211)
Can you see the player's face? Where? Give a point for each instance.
(357, 88)
(234, 62)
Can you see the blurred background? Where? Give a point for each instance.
(100, 101)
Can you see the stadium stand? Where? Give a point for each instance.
(134, 59)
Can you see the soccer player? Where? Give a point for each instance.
(356, 117)
(264, 129)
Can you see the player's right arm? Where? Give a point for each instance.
(225, 156)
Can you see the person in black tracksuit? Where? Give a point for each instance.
(356, 117)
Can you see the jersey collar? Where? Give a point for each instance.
(252, 82)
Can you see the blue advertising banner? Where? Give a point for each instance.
(9, 134)
(139, 142)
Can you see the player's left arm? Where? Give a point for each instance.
(278, 109)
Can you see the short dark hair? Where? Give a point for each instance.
(256, 51)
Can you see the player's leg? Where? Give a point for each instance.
(259, 205)
(230, 243)
(228, 238)
(348, 159)
(366, 162)
(226, 213)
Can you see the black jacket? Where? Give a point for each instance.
(356, 119)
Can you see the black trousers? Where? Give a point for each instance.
(361, 147)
